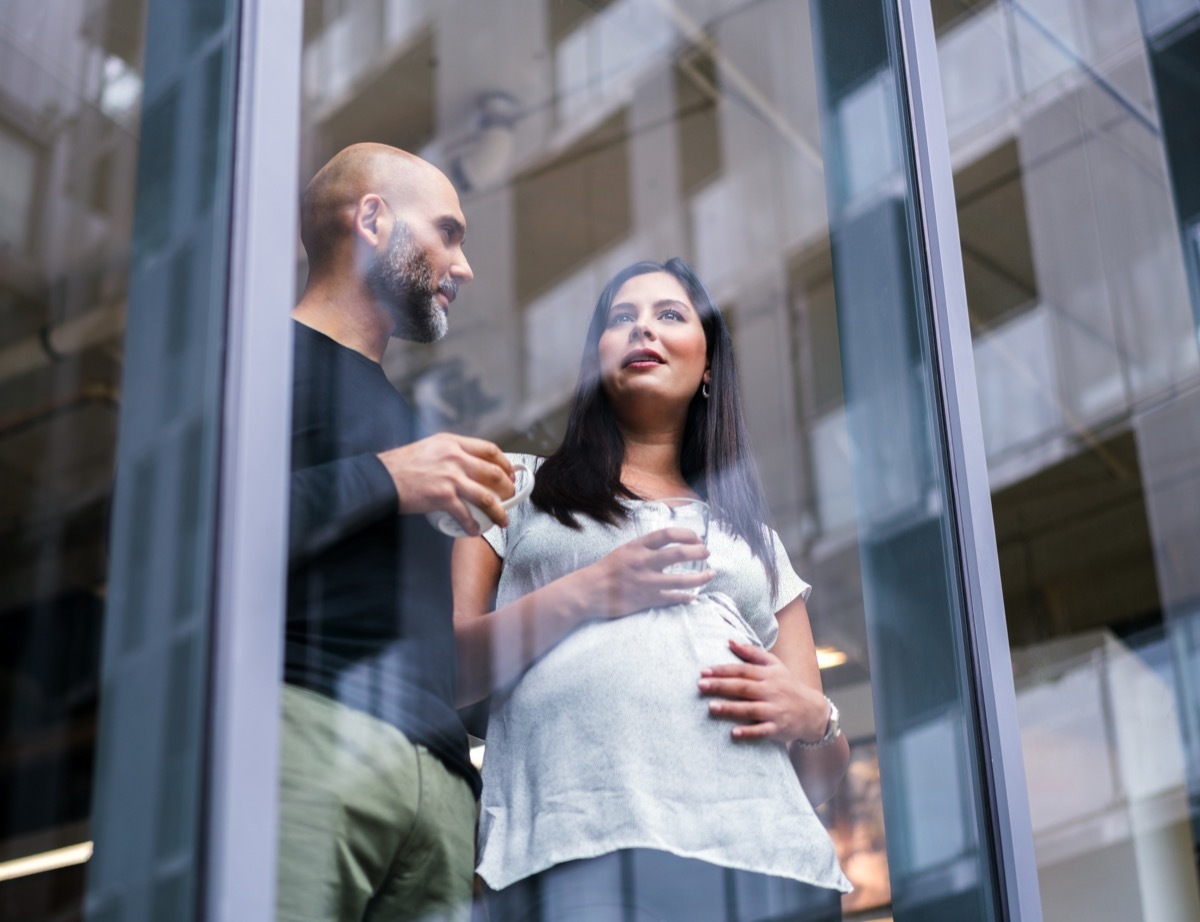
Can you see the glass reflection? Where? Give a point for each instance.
(1072, 136)
(762, 141)
(70, 101)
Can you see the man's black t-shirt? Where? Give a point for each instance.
(369, 619)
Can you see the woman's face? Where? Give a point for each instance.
(653, 344)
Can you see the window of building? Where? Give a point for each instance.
(572, 206)
(17, 188)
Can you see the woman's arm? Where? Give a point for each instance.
(777, 694)
(495, 647)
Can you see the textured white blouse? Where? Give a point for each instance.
(605, 742)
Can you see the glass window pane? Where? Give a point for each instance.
(1075, 214)
(765, 144)
(114, 148)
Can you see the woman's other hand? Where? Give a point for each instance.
(777, 695)
(764, 697)
(631, 578)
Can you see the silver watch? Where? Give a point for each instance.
(832, 730)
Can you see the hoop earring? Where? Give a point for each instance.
(704, 389)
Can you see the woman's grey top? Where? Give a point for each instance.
(606, 743)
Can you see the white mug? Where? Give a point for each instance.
(445, 523)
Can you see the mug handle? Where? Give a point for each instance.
(524, 491)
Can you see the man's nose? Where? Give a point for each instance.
(461, 270)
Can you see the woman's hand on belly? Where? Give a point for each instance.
(763, 697)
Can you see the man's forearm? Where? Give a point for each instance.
(330, 501)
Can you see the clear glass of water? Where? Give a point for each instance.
(676, 512)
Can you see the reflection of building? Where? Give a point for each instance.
(770, 143)
(68, 122)
(1107, 779)
(69, 101)
(1072, 336)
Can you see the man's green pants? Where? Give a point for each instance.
(371, 826)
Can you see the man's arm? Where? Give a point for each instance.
(330, 501)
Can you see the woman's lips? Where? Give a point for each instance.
(642, 358)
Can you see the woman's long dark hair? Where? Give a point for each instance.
(583, 477)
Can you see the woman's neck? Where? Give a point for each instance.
(651, 466)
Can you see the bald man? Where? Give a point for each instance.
(377, 790)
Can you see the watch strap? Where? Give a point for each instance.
(833, 729)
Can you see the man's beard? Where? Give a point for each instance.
(403, 280)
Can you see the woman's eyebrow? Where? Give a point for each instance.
(665, 302)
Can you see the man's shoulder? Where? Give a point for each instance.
(308, 341)
(317, 356)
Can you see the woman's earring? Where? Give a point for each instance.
(704, 389)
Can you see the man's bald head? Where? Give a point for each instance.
(327, 207)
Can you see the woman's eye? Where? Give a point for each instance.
(671, 314)
(622, 317)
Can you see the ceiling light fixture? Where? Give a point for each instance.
(46, 861)
(828, 657)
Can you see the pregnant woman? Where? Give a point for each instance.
(648, 729)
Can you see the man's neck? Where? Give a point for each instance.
(350, 317)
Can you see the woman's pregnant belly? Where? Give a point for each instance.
(634, 675)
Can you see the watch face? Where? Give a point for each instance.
(835, 722)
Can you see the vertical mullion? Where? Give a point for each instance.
(251, 551)
(990, 656)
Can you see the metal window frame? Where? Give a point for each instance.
(1004, 765)
(241, 815)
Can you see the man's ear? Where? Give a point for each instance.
(368, 219)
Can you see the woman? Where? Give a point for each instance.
(645, 719)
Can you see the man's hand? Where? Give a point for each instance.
(445, 472)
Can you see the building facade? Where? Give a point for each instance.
(958, 247)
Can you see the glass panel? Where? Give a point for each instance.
(111, 317)
(1074, 143)
(765, 143)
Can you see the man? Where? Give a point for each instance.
(377, 791)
